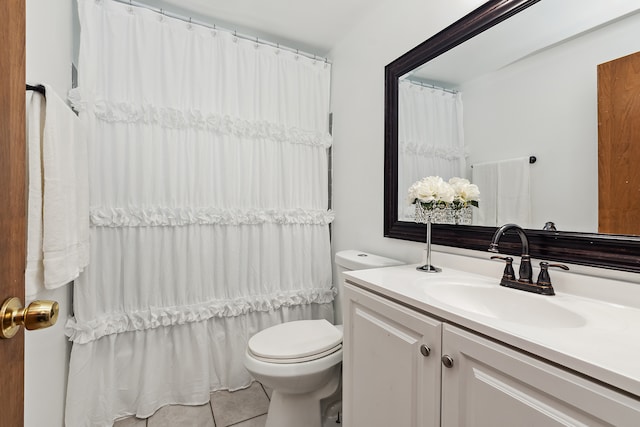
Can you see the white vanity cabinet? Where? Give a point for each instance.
(490, 384)
(388, 381)
(391, 364)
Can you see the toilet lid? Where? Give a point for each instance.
(297, 359)
(300, 340)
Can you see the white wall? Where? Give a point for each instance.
(357, 99)
(49, 54)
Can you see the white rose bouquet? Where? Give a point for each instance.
(431, 192)
(434, 197)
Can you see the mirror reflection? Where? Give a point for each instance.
(481, 112)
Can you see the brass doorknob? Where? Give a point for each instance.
(37, 315)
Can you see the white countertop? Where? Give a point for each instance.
(604, 342)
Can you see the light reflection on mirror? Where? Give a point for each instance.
(537, 96)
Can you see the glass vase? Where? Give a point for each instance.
(462, 216)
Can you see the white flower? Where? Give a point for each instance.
(464, 191)
(431, 189)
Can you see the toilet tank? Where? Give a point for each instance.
(351, 260)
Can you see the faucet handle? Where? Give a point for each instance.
(508, 268)
(543, 278)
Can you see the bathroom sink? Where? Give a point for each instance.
(502, 303)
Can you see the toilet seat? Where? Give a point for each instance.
(296, 342)
(298, 359)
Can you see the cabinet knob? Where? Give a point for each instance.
(426, 351)
(447, 361)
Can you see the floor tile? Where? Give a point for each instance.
(253, 422)
(177, 415)
(232, 408)
(131, 422)
(267, 390)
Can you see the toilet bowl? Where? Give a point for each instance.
(301, 360)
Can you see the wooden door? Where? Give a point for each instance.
(492, 385)
(619, 146)
(390, 379)
(13, 201)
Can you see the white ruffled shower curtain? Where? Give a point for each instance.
(209, 220)
(430, 138)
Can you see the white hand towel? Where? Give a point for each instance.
(34, 273)
(64, 191)
(514, 194)
(485, 176)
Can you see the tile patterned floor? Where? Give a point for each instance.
(242, 408)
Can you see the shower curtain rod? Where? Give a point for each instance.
(430, 86)
(215, 27)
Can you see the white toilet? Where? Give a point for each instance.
(301, 360)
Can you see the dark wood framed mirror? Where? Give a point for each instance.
(619, 252)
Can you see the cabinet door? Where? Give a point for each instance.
(387, 379)
(492, 385)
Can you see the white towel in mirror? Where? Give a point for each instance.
(514, 193)
(505, 195)
(485, 176)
